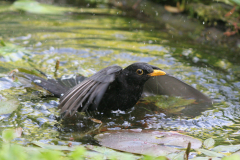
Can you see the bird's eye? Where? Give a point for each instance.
(139, 71)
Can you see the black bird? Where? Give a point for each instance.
(113, 88)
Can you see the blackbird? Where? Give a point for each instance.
(113, 88)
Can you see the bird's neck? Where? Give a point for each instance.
(129, 85)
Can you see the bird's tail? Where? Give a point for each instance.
(57, 86)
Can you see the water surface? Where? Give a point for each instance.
(86, 43)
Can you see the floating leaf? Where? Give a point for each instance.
(33, 150)
(79, 152)
(12, 152)
(35, 7)
(8, 135)
(111, 153)
(177, 156)
(2, 43)
(155, 158)
(171, 104)
(10, 52)
(8, 106)
(154, 143)
(28, 71)
(230, 148)
(210, 153)
(51, 155)
(54, 147)
(236, 2)
(208, 143)
(206, 158)
(232, 157)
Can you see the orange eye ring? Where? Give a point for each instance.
(139, 71)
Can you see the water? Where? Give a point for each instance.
(87, 43)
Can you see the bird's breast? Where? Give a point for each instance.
(119, 97)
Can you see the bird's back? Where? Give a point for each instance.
(120, 96)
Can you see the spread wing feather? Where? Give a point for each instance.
(169, 85)
(88, 92)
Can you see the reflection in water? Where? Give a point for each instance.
(87, 44)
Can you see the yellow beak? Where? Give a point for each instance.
(157, 73)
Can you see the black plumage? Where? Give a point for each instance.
(114, 88)
(111, 88)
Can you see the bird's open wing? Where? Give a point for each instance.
(169, 85)
(88, 92)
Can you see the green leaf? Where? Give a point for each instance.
(28, 71)
(35, 7)
(50, 155)
(8, 106)
(77, 153)
(154, 158)
(33, 150)
(206, 158)
(2, 43)
(147, 142)
(229, 148)
(8, 134)
(172, 104)
(109, 153)
(11, 52)
(236, 2)
(53, 147)
(210, 153)
(208, 143)
(177, 156)
(12, 152)
(232, 157)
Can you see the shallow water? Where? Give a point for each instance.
(87, 43)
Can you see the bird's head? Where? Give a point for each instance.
(138, 73)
